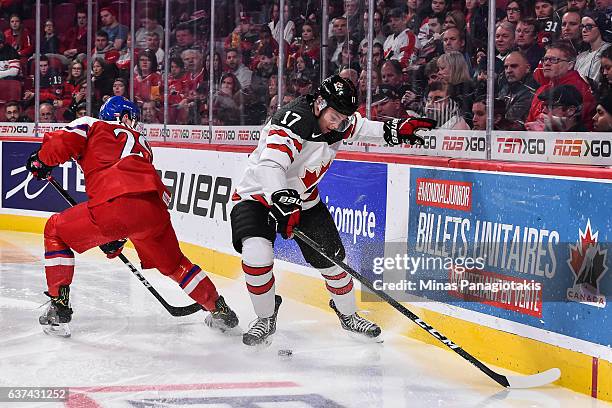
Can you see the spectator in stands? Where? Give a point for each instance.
(412, 9)
(184, 40)
(75, 39)
(266, 41)
(51, 85)
(386, 104)
(102, 45)
(102, 78)
(19, 37)
(153, 44)
(363, 83)
(546, 19)
(558, 69)
(120, 87)
(515, 11)
(303, 85)
(150, 112)
(353, 15)
(273, 86)
(561, 111)
(379, 35)
(517, 86)
(274, 23)
(148, 80)
(605, 79)
(350, 74)
(340, 34)
(117, 33)
(309, 42)
(75, 110)
(526, 41)
(12, 111)
(440, 107)
(9, 60)
(148, 25)
(479, 111)
(476, 19)
(454, 19)
(273, 106)
(594, 26)
(125, 57)
(348, 58)
(233, 61)
(453, 70)
(431, 40)
(217, 69)
(46, 113)
(193, 82)
(401, 44)
(266, 66)
(602, 120)
(177, 89)
(227, 95)
(50, 43)
(504, 39)
(244, 38)
(577, 5)
(391, 73)
(571, 31)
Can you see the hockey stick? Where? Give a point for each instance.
(510, 381)
(173, 310)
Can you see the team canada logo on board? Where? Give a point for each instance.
(587, 262)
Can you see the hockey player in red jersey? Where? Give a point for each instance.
(275, 195)
(126, 199)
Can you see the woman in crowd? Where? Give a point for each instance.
(148, 80)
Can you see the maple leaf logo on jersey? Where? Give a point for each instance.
(587, 262)
(312, 177)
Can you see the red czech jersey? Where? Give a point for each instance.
(115, 159)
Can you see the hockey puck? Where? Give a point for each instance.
(285, 353)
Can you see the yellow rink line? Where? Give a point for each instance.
(579, 372)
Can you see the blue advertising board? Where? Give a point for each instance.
(21, 191)
(355, 194)
(541, 245)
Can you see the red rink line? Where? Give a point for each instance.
(78, 398)
(186, 387)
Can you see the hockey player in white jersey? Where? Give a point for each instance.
(276, 194)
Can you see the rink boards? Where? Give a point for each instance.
(547, 226)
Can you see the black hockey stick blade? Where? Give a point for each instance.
(510, 381)
(173, 310)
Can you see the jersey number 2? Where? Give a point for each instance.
(131, 148)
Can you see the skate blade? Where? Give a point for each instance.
(362, 338)
(221, 327)
(57, 330)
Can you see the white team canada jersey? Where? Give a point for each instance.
(401, 47)
(283, 159)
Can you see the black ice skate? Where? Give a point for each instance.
(356, 324)
(263, 327)
(222, 318)
(58, 314)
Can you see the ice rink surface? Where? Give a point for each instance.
(127, 351)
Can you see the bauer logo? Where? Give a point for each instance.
(456, 195)
(587, 262)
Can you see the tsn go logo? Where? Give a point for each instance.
(521, 145)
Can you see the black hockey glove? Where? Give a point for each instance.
(38, 169)
(285, 211)
(398, 131)
(113, 249)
